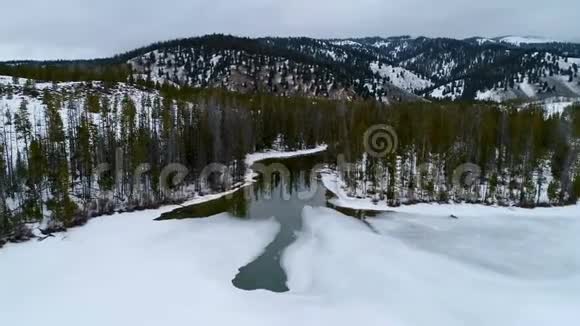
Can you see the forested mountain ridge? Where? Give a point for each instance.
(388, 69)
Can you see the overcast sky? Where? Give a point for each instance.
(49, 29)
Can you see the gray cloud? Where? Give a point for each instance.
(42, 29)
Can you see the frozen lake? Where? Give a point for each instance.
(305, 263)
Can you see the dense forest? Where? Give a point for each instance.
(73, 150)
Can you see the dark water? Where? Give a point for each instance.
(283, 197)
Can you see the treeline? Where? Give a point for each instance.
(466, 152)
(86, 149)
(67, 71)
(93, 150)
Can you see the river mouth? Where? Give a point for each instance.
(282, 196)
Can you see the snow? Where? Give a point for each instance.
(215, 59)
(251, 175)
(381, 44)
(331, 54)
(483, 40)
(497, 95)
(492, 266)
(75, 100)
(336, 186)
(573, 86)
(400, 77)
(447, 91)
(37, 109)
(346, 43)
(518, 40)
(432, 270)
(129, 270)
(7, 80)
(488, 95)
(255, 157)
(563, 63)
(556, 105)
(528, 89)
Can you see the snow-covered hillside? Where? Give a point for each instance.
(451, 91)
(240, 71)
(19, 91)
(528, 91)
(401, 77)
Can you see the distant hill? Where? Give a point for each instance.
(387, 69)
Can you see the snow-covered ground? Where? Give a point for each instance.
(420, 268)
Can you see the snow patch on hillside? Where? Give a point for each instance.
(346, 43)
(563, 62)
(401, 77)
(451, 91)
(555, 105)
(527, 88)
(518, 40)
(381, 44)
(483, 40)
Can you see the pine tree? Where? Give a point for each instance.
(22, 123)
(5, 213)
(62, 207)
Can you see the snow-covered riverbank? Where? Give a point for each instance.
(335, 185)
(249, 178)
(251, 175)
(409, 268)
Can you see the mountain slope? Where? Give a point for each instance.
(387, 69)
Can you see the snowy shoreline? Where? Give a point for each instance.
(249, 179)
(486, 270)
(251, 175)
(331, 182)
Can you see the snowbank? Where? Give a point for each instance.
(256, 157)
(333, 184)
